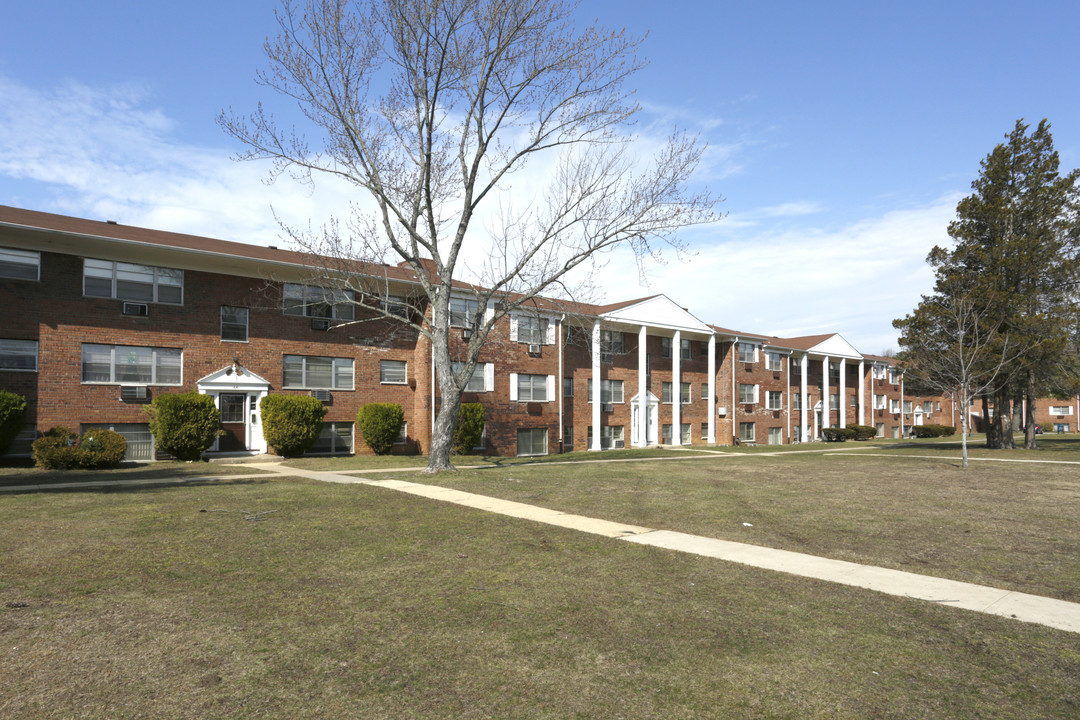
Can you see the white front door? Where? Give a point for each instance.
(650, 416)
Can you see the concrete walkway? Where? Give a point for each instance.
(1053, 613)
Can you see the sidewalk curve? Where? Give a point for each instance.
(1050, 612)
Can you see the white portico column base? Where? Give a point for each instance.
(595, 386)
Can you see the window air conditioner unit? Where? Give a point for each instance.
(320, 324)
(609, 407)
(619, 444)
(137, 309)
(721, 410)
(133, 393)
(534, 349)
(321, 395)
(466, 333)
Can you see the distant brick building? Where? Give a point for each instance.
(102, 317)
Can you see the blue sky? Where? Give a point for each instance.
(841, 134)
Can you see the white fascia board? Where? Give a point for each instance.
(658, 312)
(836, 347)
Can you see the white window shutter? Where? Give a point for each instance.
(550, 339)
(489, 377)
(550, 387)
(513, 386)
(513, 330)
(489, 311)
(756, 396)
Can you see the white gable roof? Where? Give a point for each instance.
(228, 379)
(658, 312)
(836, 346)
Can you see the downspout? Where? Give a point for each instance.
(731, 356)
(559, 385)
(431, 427)
(787, 408)
(902, 425)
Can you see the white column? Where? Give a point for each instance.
(676, 388)
(804, 424)
(843, 392)
(902, 406)
(826, 413)
(712, 389)
(595, 386)
(642, 389)
(862, 392)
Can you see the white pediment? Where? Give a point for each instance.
(651, 399)
(836, 346)
(232, 377)
(658, 312)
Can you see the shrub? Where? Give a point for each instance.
(12, 411)
(61, 449)
(864, 432)
(380, 424)
(56, 449)
(470, 428)
(291, 423)
(184, 425)
(837, 434)
(101, 448)
(930, 431)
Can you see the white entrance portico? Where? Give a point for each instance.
(650, 416)
(237, 392)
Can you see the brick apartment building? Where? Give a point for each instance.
(103, 317)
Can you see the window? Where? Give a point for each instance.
(776, 436)
(704, 391)
(307, 372)
(684, 433)
(746, 432)
(568, 437)
(894, 405)
(611, 344)
(317, 302)
(928, 406)
(796, 401)
(20, 355)
(395, 306)
(704, 431)
(834, 371)
(773, 361)
(854, 400)
(532, 330)
(748, 393)
(483, 377)
(403, 434)
(568, 387)
(611, 436)
(140, 441)
(894, 376)
(532, 441)
(879, 372)
(747, 352)
(665, 347)
(532, 388)
(335, 438)
(20, 264)
(879, 402)
(665, 434)
(880, 430)
(1061, 427)
(482, 443)
(611, 391)
(773, 399)
(684, 393)
(127, 281)
(463, 312)
(834, 401)
(131, 364)
(907, 406)
(1054, 409)
(234, 324)
(665, 392)
(684, 349)
(391, 372)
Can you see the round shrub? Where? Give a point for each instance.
(101, 448)
(470, 428)
(291, 423)
(61, 449)
(12, 411)
(379, 425)
(837, 434)
(184, 425)
(864, 432)
(56, 449)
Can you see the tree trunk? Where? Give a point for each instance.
(963, 428)
(1030, 441)
(442, 434)
(1003, 420)
(989, 427)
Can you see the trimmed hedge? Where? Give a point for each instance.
(12, 412)
(837, 434)
(184, 425)
(291, 423)
(864, 432)
(931, 431)
(470, 428)
(61, 449)
(380, 424)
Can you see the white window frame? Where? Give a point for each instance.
(686, 432)
(533, 432)
(395, 306)
(774, 400)
(483, 375)
(776, 434)
(684, 349)
(331, 431)
(879, 402)
(834, 401)
(745, 436)
(753, 394)
(335, 364)
(611, 344)
(13, 263)
(531, 329)
(748, 352)
(894, 376)
(385, 366)
(609, 391)
(462, 311)
(530, 383)
(894, 405)
(12, 350)
(774, 361)
(298, 300)
(1061, 410)
(224, 324)
(665, 347)
(878, 371)
(156, 364)
(112, 270)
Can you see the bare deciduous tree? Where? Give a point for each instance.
(442, 113)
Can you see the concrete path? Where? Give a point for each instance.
(1053, 613)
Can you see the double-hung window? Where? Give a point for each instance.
(128, 281)
(834, 401)
(684, 349)
(747, 352)
(234, 324)
(879, 402)
(1061, 409)
(131, 364)
(532, 330)
(20, 264)
(667, 389)
(748, 393)
(479, 380)
(318, 302)
(796, 401)
(746, 432)
(532, 388)
(611, 344)
(463, 312)
(532, 441)
(395, 306)
(894, 405)
(879, 372)
(773, 399)
(611, 391)
(907, 406)
(684, 393)
(318, 373)
(334, 438)
(392, 372)
(21, 355)
(773, 361)
(665, 347)
(894, 376)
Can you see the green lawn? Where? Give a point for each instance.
(23, 473)
(354, 601)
